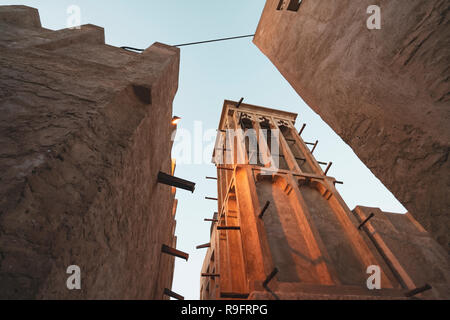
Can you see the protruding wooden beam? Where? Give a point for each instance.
(261, 214)
(223, 168)
(170, 180)
(338, 182)
(270, 277)
(371, 215)
(328, 168)
(301, 130)
(174, 252)
(209, 198)
(202, 246)
(323, 163)
(234, 295)
(210, 275)
(239, 103)
(416, 291)
(211, 220)
(228, 228)
(211, 178)
(315, 145)
(172, 294)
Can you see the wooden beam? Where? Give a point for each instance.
(315, 145)
(170, 180)
(174, 252)
(328, 168)
(416, 291)
(301, 130)
(202, 246)
(239, 103)
(261, 214)
(371, 215)
(228, 228)
(234, 295)
(173, 294)
(223, 168)
(210, 275)
(270, 277)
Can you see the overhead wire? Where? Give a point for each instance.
(194, 43)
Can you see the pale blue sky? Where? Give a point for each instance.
(209, 74)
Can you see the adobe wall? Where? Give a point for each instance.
(84, 130)
(418, 254)
(384, 92)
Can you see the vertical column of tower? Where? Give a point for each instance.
(317, 251)
(256, 250)
(340, 209)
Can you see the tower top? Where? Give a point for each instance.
(244, 107)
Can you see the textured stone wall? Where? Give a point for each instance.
(84, 130)
(418, 254)
(384, 92)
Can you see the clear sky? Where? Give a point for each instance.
(210, 73)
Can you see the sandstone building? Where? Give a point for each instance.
(282, 231)
(85, 128)
(385, 91)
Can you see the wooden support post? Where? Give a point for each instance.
(172, 294)
(170, 180)
(366, 220)
(202, 246)
(174, 252)
(270, 277)
(261, 214)
(416, 291)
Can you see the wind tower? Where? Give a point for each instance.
(282, 231)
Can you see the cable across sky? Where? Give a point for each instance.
(194, 43)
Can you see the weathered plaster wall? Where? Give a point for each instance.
(385, 92)
(422, 258)
(84, 130)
